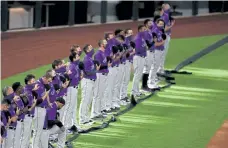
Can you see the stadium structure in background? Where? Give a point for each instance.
(21, 14)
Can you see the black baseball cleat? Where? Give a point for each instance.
(125, 99)
(146, 89)
(133, 101)
(155, 89)
(115, 109)
(172, 82)
(73, 128)
(99, 117)
(170, 78)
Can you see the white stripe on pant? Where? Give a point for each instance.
(152, 83)
(98, 100)
(69, 117)
(40, 114)
(108, 95)
(126, 79)
(87, 95)
(138, 63)
(27, 131)
(164, 54)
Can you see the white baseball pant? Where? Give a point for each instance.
(126, 79)
(138, 63)
(69, 117)
(149, 60)
(62, 111)
(164, 54)
(108, 95)
(9, 141)
(87, 95)
(53, 131)
(98, 100)
(27, 131)
(40, 114)
(152, 81)
(117, 86)
(18, 134)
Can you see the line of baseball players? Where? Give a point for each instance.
(48, 106)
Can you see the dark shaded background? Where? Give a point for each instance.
(58, 14)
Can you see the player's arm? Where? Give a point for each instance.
(99, 58)
(169, 27)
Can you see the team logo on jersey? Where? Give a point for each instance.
(105, 60)
(52, 92)
(143, 43)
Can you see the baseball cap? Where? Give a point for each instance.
(60, 100)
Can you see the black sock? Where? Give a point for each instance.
(144, 80)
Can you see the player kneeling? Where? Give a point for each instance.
(54, 125)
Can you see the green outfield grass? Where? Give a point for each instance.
(183, 116)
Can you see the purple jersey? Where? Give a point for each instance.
(165, 17)
(12, 111)
(89, 68)
(101, 58)
(140, 44)
(75, 73)
(52, 93)
(116, 62)
(12, 108)
(130, 50)
(28, 90)
(20, 105)
(149, 37)
(51, 112)
(108, 48)
(159, 38)
(60, 72)
(41, 92)
(3, 118)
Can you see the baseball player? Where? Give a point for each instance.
(42, 96)
(70, 118)
(11, 117)
(139, 59)
(159, 40)
(28, 120)
(52, 125)
(61, 83)
(77, 49)
(4, 116)
(88, 83)
(150, 53)
(169, 23)
(18, 92)
(118, 32)
(108, 94)
(99, 101)
(118, 67)
(129, 60)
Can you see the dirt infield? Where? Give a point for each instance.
(220, 139)
(27, 50)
